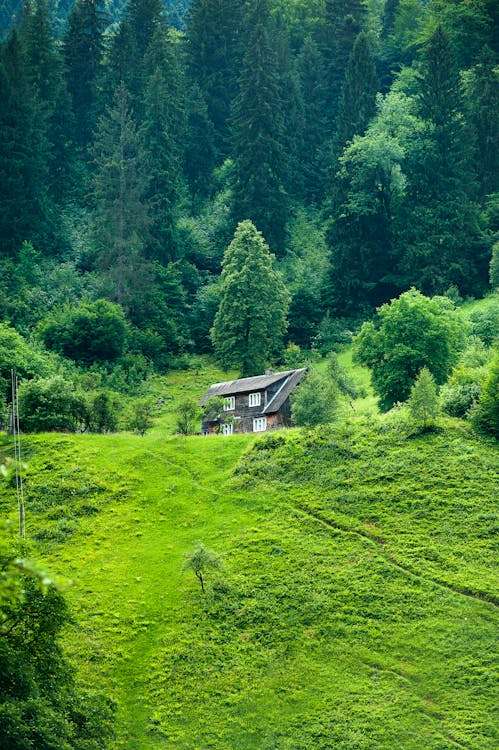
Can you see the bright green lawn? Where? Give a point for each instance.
(356, 610)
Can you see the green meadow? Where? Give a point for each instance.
(356, 608)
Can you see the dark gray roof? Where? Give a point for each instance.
(257, 383)
(287, 387)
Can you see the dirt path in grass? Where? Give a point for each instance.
(379, 542)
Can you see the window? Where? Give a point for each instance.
(255, 399)
(228, 428)
(260, 424)
(229, 403)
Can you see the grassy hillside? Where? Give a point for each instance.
(356, 608)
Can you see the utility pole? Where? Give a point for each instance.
(14, 428)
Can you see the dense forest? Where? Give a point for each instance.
(358, 138)
(130, 156)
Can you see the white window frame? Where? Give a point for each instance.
(259, 424)
(229, 403)
(228, 428)
(254, 399)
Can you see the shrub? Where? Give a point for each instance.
(333, 333)
(140, 416)
(51, 404)
(104, 408)
(90, 332)
(461, 391)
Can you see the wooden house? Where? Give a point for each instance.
(256, 404)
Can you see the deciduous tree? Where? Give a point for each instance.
(406, 335)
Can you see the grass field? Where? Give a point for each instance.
(356, 608)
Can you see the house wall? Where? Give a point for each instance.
(243, 414)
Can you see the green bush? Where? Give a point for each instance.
(140, 416)
(90, 332)
(461, 391)
(104, 408)
(52, 404)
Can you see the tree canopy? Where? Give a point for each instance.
(406, 335)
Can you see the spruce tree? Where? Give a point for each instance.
(259, 158)
(310, 66)
(443, 244)
(357, 103)
(126, 60)
(120, 215)
(251, 321)
(45, 68)
(200, 152)
(344, 20)
(26, 211)
(214, 55)
(162, 136)
(482, 100)
(293, 107)
(83, 51)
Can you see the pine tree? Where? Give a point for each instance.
(443, 244)
(46, 72)
(126, 61)
(482, 100)
(162, 136)
(214, 56)
(344, 20)
(145, 17)
(259, 160)
(83, 51)
(120, 215)
(293, 107)
(200, 152)
(26, 211)
(357, 103)
(310, 66)
(251, 321)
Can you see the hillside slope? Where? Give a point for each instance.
(356, 608)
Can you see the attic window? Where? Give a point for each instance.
(255, 399)
(229, 403)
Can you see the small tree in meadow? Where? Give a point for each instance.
(423, 401)
(200, 560)
(140, 418)
(187, 416)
